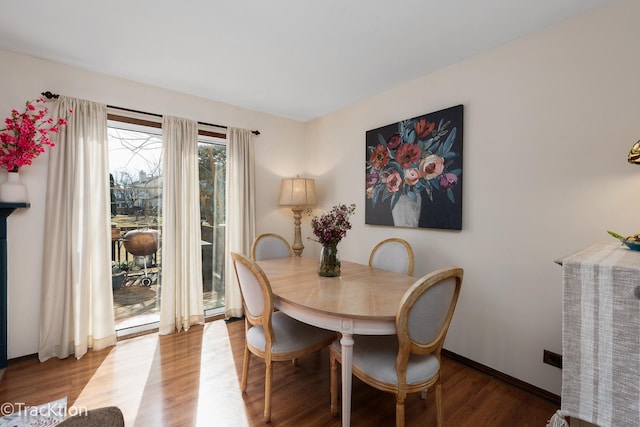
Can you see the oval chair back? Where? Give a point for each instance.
(270, 245)
(393, 254)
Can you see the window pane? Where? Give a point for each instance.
(135, 168)
(212, 159)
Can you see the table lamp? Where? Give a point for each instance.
(298, 193)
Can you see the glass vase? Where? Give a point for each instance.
(329, 261)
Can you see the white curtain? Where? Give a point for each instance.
(77, 299)
(241, 211)
(181, 288)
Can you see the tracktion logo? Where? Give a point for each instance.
(49, 410)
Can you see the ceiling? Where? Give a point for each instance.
(292, 58)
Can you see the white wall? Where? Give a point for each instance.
(25, 77)
(548, 123)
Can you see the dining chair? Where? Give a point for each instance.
(270, 245)
(271, 335)
(393, 254)
(410, 361)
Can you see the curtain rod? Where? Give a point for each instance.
(50, 95)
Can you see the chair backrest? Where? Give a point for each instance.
(426, 311)
(257, 297)
(270, 245)
(394, 255)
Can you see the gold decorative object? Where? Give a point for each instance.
(634, 154)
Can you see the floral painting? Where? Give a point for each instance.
(414, 172)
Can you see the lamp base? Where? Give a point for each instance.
(297, 246)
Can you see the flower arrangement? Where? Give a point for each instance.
(332, 226)
(26, 134)
(415, 159)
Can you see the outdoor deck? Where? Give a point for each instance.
(136, 302)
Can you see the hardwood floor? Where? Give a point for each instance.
(192, 379)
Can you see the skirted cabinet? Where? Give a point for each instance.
(601, 336)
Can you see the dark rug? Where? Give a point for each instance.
(130, 295)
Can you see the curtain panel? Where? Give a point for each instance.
(77, 299)
(181, 289)
(241, 211)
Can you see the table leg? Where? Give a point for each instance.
(347, 351)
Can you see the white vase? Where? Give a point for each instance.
(406, 212)
(13, 190)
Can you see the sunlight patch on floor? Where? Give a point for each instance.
(190, 375)
(220, 400)
(114, 385)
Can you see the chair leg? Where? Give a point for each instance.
(267, 391)
(439, 410)
(245, 369)
(334, 383)
(400, 398)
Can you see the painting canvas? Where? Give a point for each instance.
(414, 172)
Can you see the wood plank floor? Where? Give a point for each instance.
(192, 379)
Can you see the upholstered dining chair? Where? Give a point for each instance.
(272, 336)
(270, 245)
(393, 254)
(409, 361)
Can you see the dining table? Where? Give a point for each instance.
(361, 301)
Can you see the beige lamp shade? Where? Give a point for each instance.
(297, 192)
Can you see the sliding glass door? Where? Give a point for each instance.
(135, 166)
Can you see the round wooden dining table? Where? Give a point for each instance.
(363, 300)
